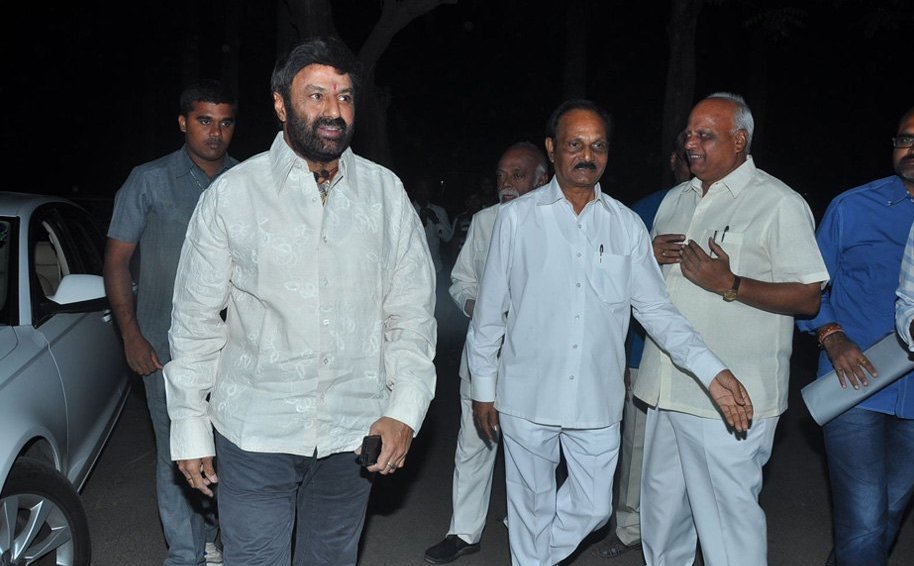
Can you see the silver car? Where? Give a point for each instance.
(63, 378)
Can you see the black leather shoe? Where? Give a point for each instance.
(450, 549)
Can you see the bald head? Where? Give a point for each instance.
(521, 169)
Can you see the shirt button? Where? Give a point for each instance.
(571, 377)
(324, 238)
(577, 284)
(577, 317)
(324, 282)
(325, 322)
(575, 347)
(326, 360)
(579, 254)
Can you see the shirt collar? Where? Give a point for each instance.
(734, 182)
(283, 161)
(184, 165)
(552, 193)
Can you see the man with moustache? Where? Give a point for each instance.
(566, 267)
(321, 262)
(761, 266)
(151, 212)
(521, 169)
(869, 448)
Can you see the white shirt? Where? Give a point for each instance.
(768, 231)
(436, 232)
(330, 320)
(568, 283)
(469, 266)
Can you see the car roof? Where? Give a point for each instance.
(22, 204)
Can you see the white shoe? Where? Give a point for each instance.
(212, 554)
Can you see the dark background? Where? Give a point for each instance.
(92, 90)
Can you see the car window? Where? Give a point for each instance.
(6, 271)
(62, 240)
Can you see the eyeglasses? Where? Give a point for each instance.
(902, 142)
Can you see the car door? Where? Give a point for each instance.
(82, 338)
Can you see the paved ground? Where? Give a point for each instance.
(411, 510)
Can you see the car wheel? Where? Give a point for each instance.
(42, 520)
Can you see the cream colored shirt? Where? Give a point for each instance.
(470, 264)
(330, 321)
(768, 231)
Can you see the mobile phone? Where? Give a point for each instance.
(371, 449)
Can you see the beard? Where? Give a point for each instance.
(505, 195)
(305, 140)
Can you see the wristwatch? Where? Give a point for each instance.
(730, 294)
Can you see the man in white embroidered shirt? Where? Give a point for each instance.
(322, 264)
(567, 263)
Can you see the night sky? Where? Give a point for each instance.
(92, 92)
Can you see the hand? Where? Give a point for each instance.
(485, 417)
(469, 306)
(200, 473)
(711, 274)
(668, 248)
(141, 357)
(428, 215)
(848, 361)
(731, 400)
(396, 438)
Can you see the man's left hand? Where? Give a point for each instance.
(732, 400)
(396, 438)
(709, 273)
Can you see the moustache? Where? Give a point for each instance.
(507, 193)
(586, 165)
(337, 122)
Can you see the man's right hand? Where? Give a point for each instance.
(468, 306)
(485, 417)
(848, 361)
(668, 248)
(732, 400)
(141, 356)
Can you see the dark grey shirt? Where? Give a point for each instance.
(152, 209)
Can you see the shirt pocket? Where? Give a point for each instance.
(610, 277)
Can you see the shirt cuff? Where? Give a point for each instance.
(482, 389)
(192, 438)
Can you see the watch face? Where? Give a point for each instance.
(729, 295)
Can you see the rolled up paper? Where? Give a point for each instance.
(825, 397)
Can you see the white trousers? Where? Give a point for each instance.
(628, 508)
(474, 464)
(546, 525)
(701, 480)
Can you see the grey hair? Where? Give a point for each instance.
(542, 166)
(742, 116)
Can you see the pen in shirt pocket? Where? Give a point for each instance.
(601, 253)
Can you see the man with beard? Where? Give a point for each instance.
(521, 169)
(740, 259)
(869, 448)
(566, 267)
(321, 262)
(151, 212)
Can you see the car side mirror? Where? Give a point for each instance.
(77, 293)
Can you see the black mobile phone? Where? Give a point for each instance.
(371, 449)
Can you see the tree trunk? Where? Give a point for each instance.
(680, 78)
(297, 20)
(574, 75)
(301, 19)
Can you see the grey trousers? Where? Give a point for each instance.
(263, 497)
